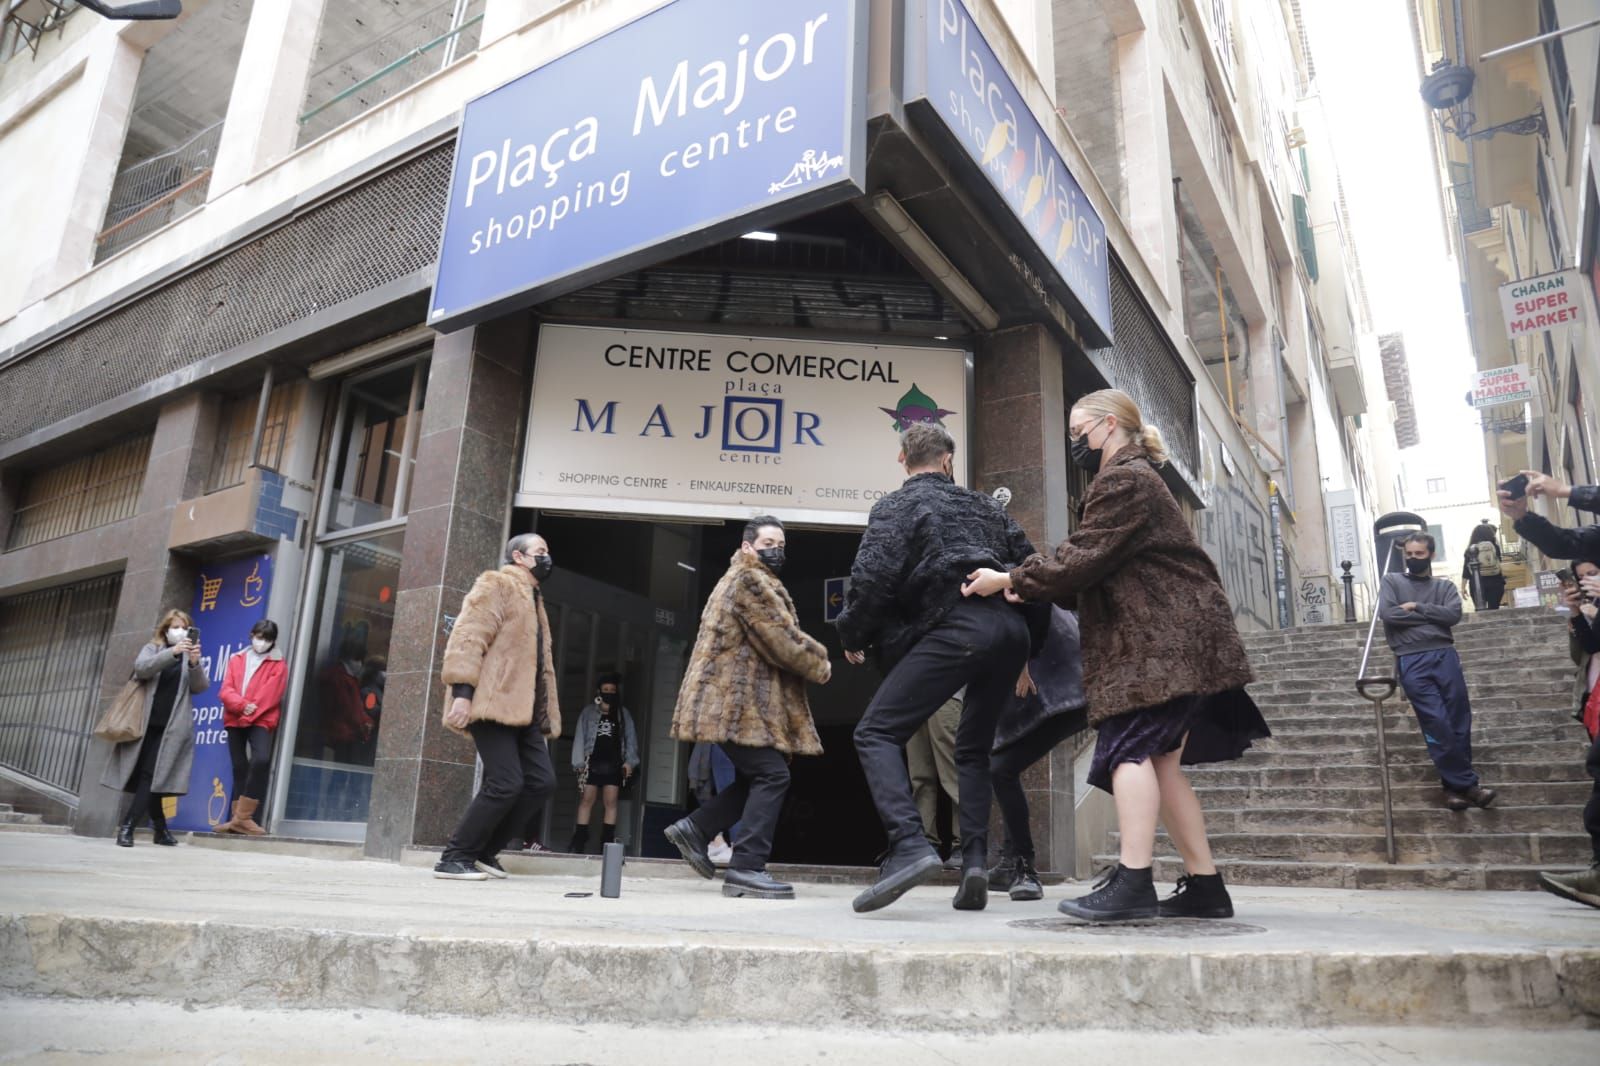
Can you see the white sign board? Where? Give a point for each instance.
(1533, 305)
(721, 426)
(1346, 540)
(1503, 384)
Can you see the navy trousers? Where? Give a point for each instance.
(1438, 692)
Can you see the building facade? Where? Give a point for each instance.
(1514, 90)
(295, 333)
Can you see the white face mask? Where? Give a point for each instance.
(261, 646)
(177, 635)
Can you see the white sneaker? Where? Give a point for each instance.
(719, 852)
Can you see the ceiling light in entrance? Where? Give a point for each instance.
(759, 235)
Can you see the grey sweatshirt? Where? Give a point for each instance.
(1427, 628)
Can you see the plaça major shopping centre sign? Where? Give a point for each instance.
(691, 124)
(953, 76)
(717, 426)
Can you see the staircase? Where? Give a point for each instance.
(1306, 806)
(19, 821)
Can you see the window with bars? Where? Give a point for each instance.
(52, 655)
(1221, 149)
(90, 491)
(236, 427)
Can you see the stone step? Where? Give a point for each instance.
(1476, 673)
(1569, 795)
(1529, 688)
(1340, 775)
(1348, 700)
(1364, 875)
(1409, 750)
(1477, 847)
(1432, 819)
(19, 818)
(1322, 733)
(47, 830)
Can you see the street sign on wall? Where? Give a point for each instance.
(692, 124)
(1503, 384)
(834, 592)
(721, 426)
(953, 75)
(1533, 305)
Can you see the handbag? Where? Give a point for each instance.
(124, 719)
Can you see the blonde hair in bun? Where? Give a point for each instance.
(1147, 438)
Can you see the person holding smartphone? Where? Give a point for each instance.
(157, 764)
(1558, 543)
(1582, 596)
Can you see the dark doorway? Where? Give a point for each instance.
(627, 597)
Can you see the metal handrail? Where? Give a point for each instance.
(415, 53)
(1375, 690)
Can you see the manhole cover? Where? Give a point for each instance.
(1178, 928)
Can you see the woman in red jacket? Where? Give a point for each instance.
(252, 696)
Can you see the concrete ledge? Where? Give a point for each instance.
(556, 979)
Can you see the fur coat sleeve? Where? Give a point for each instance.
(1114, 516)
(773, 632)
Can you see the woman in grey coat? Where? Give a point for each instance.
(157, 764)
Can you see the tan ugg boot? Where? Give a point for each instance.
(232, 824)
(246, 823)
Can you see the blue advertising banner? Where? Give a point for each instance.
(229, 598)
(692, 124)
(953, 71)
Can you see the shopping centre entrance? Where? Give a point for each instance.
(626, 597)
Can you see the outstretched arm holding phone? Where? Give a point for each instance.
(1554, 541)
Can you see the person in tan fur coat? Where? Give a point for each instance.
(745, 690)
(502, 680)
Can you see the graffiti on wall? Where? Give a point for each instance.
(1233, 531)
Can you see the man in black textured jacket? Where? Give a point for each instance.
(905, 603)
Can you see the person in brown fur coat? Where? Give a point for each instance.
(745, 690)
(502, 679)
(1163, 665)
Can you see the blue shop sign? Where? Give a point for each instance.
(953, 74)
(697, 122)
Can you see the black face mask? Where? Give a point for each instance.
(1085, 456)
(608, 700)
(1418, 567)
(772, 558)
(542, 565)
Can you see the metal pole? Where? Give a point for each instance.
(1376, 690)
(1531, 41)
(261, 417)
(1349, 592)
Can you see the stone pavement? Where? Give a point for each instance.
(208, 927)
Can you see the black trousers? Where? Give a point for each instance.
(1494, 590)
(754, 800)
(1007, 765)
(982, 644)
(144, 801)
(1591, 810)
(517, 780)
(250, 751)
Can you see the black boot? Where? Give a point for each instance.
(1025, 884)
(972, 894)
(1002, 873)
(909, 863)
(125, 830)
(1123, 894)
(1198, 896)
(608, 833)
(158, 825)
(580, 840)
(691, 844)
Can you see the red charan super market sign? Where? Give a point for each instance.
(1533, 305)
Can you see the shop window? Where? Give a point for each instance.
(236, 428)
(52, 652)
(90, 491)
(379, 420)
(1435, 485)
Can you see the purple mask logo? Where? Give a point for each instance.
(914, 407)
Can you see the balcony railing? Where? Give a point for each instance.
(155, 191)
(389, 64)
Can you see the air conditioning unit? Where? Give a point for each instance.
(1296, 138)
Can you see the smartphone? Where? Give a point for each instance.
(1517, 486)
(1565, 577)
(194, 635)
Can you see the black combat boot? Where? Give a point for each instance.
(580, 840)
(1122, 894)
(1025, 884)
(1002, 873)
(158, 824)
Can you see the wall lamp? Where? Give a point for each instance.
(1448, 91)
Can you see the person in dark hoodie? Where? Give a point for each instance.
(1418, 613)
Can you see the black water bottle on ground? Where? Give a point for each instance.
(611, 870)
